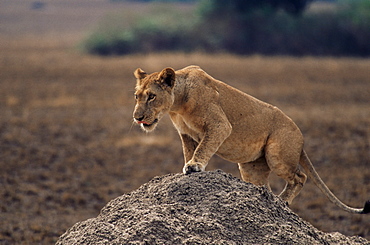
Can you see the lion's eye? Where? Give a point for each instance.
(136, 97)
(151, 97)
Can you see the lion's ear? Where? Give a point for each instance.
(140, 74)
(167, 77)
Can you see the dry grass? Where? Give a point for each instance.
(68, 145)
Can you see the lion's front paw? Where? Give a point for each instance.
(192, 167)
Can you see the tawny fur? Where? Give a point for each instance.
(215, 118)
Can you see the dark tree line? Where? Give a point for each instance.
(270, 27)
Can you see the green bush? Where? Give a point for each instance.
(154, 32)
(263, 30)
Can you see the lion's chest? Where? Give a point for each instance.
(186, 126)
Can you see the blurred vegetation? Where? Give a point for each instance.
(268, 27)
(160, 29)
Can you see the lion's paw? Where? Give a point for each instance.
(193, 167)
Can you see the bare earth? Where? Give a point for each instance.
(68, 145)
(201, 208)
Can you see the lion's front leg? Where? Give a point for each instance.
(204, 151)
(189, 145)
(215, 133)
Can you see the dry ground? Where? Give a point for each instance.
(68, 144)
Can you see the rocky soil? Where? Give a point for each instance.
(201, 208)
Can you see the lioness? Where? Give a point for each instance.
(215, 118)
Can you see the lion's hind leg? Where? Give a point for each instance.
(284, 163)
(256, 172)
(293, 186)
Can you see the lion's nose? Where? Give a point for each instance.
(139, 119)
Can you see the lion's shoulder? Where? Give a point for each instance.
(193, 74)
(192, 67)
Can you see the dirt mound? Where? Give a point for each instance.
(201, 208)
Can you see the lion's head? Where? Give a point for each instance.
(154, 96)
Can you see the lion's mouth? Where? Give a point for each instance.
(146, 124)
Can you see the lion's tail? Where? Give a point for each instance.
(311, 172)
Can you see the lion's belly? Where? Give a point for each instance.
(241, 151)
